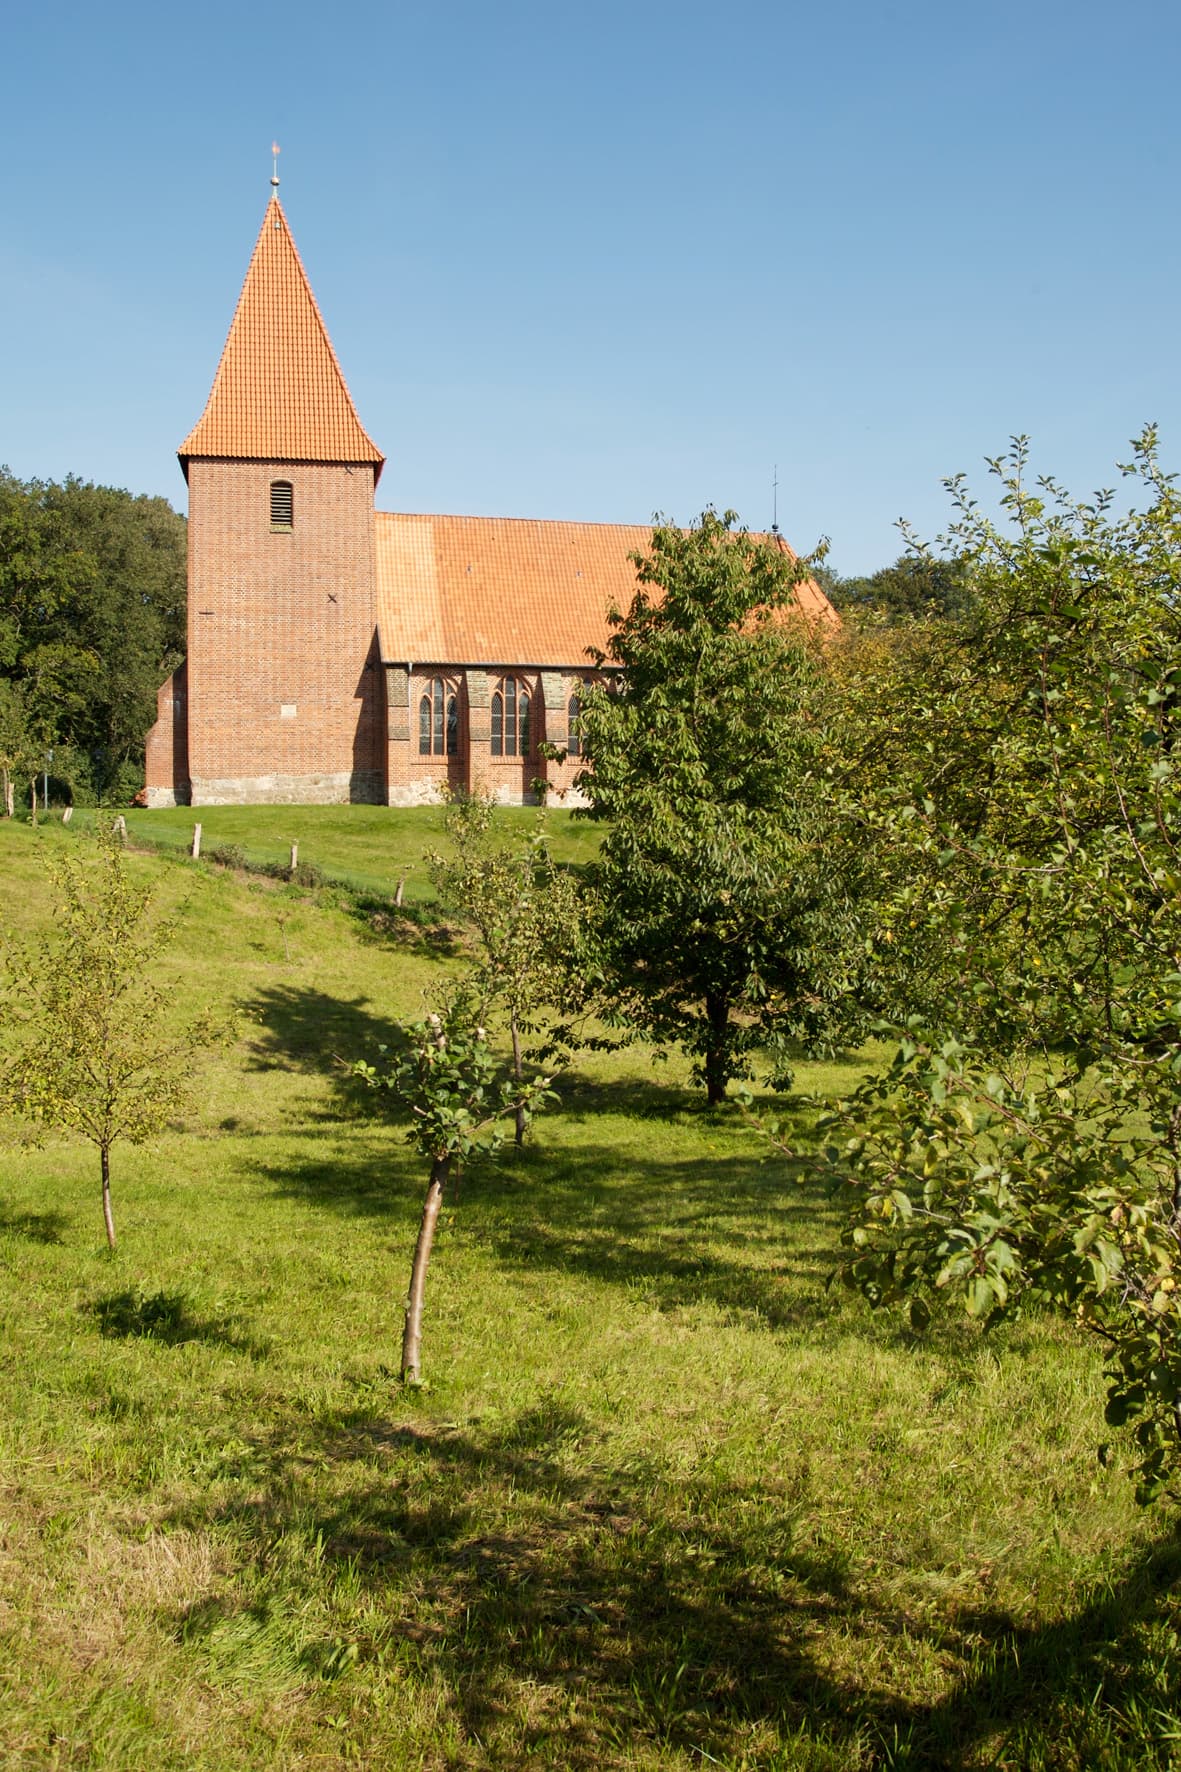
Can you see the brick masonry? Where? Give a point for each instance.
(289, 700)
(166, 765)
(413, 779)
(285, 694)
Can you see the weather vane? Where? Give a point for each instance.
(275, 166)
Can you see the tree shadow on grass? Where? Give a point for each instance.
(167, 1318)
(731, 1228)
(311, 1031)
(582, 1615)
(583, 1096)
(719, 1231)
(308, 1030)
(1098, 1688)
(567, 1614)
(415, 926)
(34, 1227)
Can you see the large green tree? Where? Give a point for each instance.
(1017, 777)
(723, 918)
(92, 616)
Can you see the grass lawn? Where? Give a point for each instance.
(367, 847)
(668, 1500)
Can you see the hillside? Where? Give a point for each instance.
(668, 1499)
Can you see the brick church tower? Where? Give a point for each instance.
(280, 697)
(335, 653)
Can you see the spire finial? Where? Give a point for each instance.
(275, 150)
(775, 499)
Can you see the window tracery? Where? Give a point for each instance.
(438, 720)
(512, 711)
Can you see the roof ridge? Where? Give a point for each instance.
(477, 517)
(767, 535)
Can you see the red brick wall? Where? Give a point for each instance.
(166, 766)
(412, 778)
(285, 698)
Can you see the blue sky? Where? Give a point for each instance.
(597, 262)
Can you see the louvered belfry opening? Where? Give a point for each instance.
(282, 505)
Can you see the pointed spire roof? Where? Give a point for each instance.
(278, 394)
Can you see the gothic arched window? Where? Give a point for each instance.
(282, 504)
(511, 712)
(438, 721)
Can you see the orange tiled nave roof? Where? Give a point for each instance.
(509, 590)
(279, 394)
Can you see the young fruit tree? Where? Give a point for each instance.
(93, 1043)
(443, 1072)
(1017, 779)
(727, 912)
(528, 917)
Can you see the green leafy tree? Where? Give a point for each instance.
(131, 617)
(726, 913)
(528, 916)
(1017, 779)
(94, 1044)
(92, 618)
(917, 585)
(443, 1072)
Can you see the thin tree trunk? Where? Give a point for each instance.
(108, 1215)
(717, 1015)
(412, 1333)
(7, 781)
(33, 801)
(519, 1075)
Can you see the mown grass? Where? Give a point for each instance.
(368, 848)
(670, 1500)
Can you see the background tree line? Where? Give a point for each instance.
(92, 619)
(916, 586)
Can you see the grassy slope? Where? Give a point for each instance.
(370, 847)
(667, 1500)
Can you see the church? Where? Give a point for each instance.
(341, 653)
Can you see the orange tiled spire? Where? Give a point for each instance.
(278, 394)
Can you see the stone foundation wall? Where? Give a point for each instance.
(289, 790)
